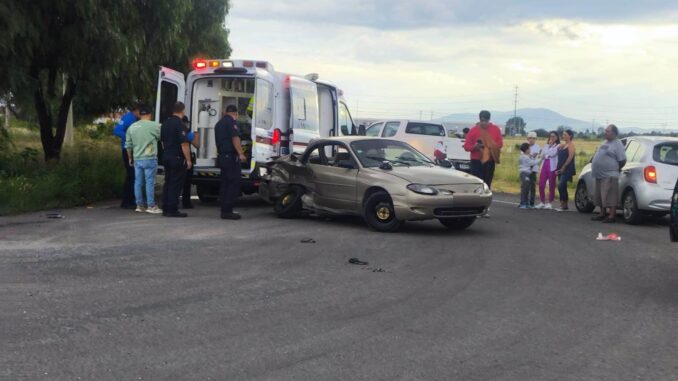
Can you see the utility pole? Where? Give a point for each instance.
(515, 128)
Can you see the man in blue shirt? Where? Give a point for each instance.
(120, 130)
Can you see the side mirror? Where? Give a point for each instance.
(346, 164)
(445, 164)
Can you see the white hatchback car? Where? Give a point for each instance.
(646, 182)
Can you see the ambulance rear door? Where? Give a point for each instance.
(304, 113)
(171, 88)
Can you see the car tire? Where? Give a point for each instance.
(457, 223)
(379, 213)
(207, 194)
(582, 201)
(289, 204)
(632, 215)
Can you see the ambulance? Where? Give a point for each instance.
(287, 112)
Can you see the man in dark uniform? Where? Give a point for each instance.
(176, 158)
(227, 138)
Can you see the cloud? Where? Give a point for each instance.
(408, 14)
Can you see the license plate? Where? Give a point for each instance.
(464, 166)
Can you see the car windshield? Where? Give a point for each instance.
(372, 153)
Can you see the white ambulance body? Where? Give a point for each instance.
(288, 112)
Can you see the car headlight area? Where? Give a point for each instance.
(423, 189)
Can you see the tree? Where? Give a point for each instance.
(104, 55)
(542, 133)
(515, 126)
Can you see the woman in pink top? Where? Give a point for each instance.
(548, 171)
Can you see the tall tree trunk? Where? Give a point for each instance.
(52, 140)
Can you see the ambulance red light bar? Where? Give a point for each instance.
(199, 64)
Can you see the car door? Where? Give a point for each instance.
(374, 130)
(632, 171)
(390, 129)
(334, 186)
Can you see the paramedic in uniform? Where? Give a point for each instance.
(230, 155)
(176, 158)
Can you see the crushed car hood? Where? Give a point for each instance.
(431, 175)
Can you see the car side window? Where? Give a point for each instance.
(425, 129)
(631, 150)
(391, 129)
(374, 130)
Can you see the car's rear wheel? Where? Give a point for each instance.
(632, 215)
(379, 213)
(289, 204)
(582, 201)
(457, 223)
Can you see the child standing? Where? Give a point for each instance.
(535, 152)
(527, 163)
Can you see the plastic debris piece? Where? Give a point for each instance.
(308, 240)
(55, 216)
(356, 261)
(608, 237)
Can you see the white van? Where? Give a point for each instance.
(288, 112)
(429, 138)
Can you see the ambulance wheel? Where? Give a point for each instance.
(379, 213)
(288, 205)
(207, 194)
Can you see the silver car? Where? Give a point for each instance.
(646, 182)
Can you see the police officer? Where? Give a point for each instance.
(176, 158)
(230, 155)
(194, 139)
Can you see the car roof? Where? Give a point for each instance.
(347, 139)
(654, 139)
(407, 121)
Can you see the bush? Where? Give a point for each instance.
(87, 172)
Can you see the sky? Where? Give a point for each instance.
(605, 60)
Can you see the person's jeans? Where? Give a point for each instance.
(562, 188)
(144, 172)
(533, 187)
(547, 175)
(525, 188)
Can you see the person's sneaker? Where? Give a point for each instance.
(154, 210)
(539, 206)
(230, 216)
(548, 206)
(140, 209)
(175, 214)
(523, 207)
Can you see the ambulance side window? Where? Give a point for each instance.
(263, 112)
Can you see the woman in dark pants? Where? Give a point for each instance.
(194, 138)
(566, 169)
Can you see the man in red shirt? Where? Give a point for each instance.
(484, 142)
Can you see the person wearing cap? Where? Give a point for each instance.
(484, 142)
(176, 158)
(230, 155)
(120, 130)
(141, 143)
(535, 153)
(194, 139)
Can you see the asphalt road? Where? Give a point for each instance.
(105, 294)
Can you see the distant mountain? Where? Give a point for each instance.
(535, 118)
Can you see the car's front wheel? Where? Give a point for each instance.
(379, 213)
(289, 204)
(582, 201)
(457, 223)
(632, 215)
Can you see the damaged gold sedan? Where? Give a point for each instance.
(387, 182)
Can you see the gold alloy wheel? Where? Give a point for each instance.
(286, 200)
(383, 213)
